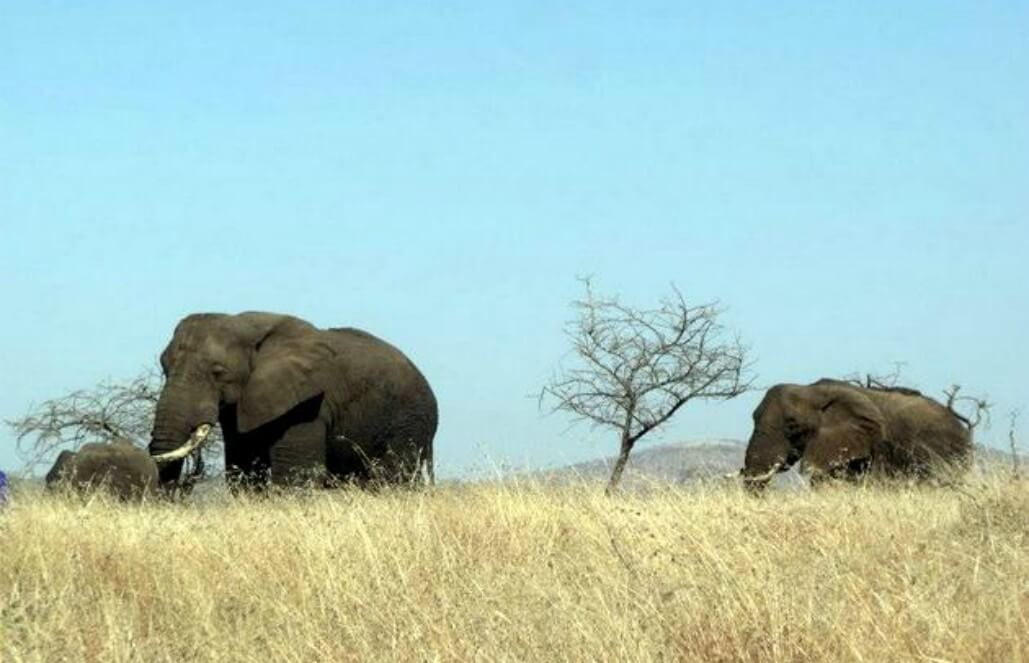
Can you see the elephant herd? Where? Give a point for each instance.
(298, 404)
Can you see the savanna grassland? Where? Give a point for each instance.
(524, 572)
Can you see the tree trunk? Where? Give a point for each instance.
(616, 473)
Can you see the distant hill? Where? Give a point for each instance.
(681, 462)
(677, 463)
(709, 460)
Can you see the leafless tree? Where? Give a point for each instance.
(635, 368)
(1012, 425)
(109, 410)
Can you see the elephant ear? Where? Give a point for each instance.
(851, 428)
(290, 366)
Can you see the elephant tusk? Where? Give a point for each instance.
(196, 439)
(762, 478)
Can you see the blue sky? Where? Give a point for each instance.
(850, 179)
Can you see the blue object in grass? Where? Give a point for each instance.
(3, 489)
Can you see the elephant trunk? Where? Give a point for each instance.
(181, 424)
(767, 455)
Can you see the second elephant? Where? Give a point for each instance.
(119, 468)
(838, 429)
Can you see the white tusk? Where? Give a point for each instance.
(191, 445)
(767, 476)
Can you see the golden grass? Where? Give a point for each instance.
(523, 572)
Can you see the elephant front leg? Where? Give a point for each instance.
(298, 458)
(246, 468)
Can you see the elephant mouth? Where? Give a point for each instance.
(194, 442)
(762, 478)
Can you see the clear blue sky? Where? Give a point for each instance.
(851, 179)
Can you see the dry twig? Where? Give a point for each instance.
(979, 407)
(1012, 425)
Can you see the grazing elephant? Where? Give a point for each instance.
(119, 467)
(840, 430)
(295, 403)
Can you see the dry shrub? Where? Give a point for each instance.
(523, 572)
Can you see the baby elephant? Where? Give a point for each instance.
(119, 467)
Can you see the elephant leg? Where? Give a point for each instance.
(346, 461)
(299, 456)
(405, 450)
(402, 463)
(246, 467)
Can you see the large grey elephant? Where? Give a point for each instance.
(119, 467)
(295, 403)
(838, 429)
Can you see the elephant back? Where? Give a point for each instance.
(921, 432)
(121, 468)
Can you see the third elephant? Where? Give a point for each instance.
(839, 429)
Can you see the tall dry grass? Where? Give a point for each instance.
(524, 572)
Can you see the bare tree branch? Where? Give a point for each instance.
(979, 407)
(888, 381)
(636, 368)
(109, 410)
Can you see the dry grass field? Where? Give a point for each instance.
(521, 572)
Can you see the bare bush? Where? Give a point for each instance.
(888, 381)
(107, 411)
(637, 367)
(976, 409)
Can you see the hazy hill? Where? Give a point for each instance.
(675, 463)
(708, 460)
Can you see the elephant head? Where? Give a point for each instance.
(256, 366)
(120, 467)
(830, 426)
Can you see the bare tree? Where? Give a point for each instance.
(637, 367)
(1012, 425)
(109, 410)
